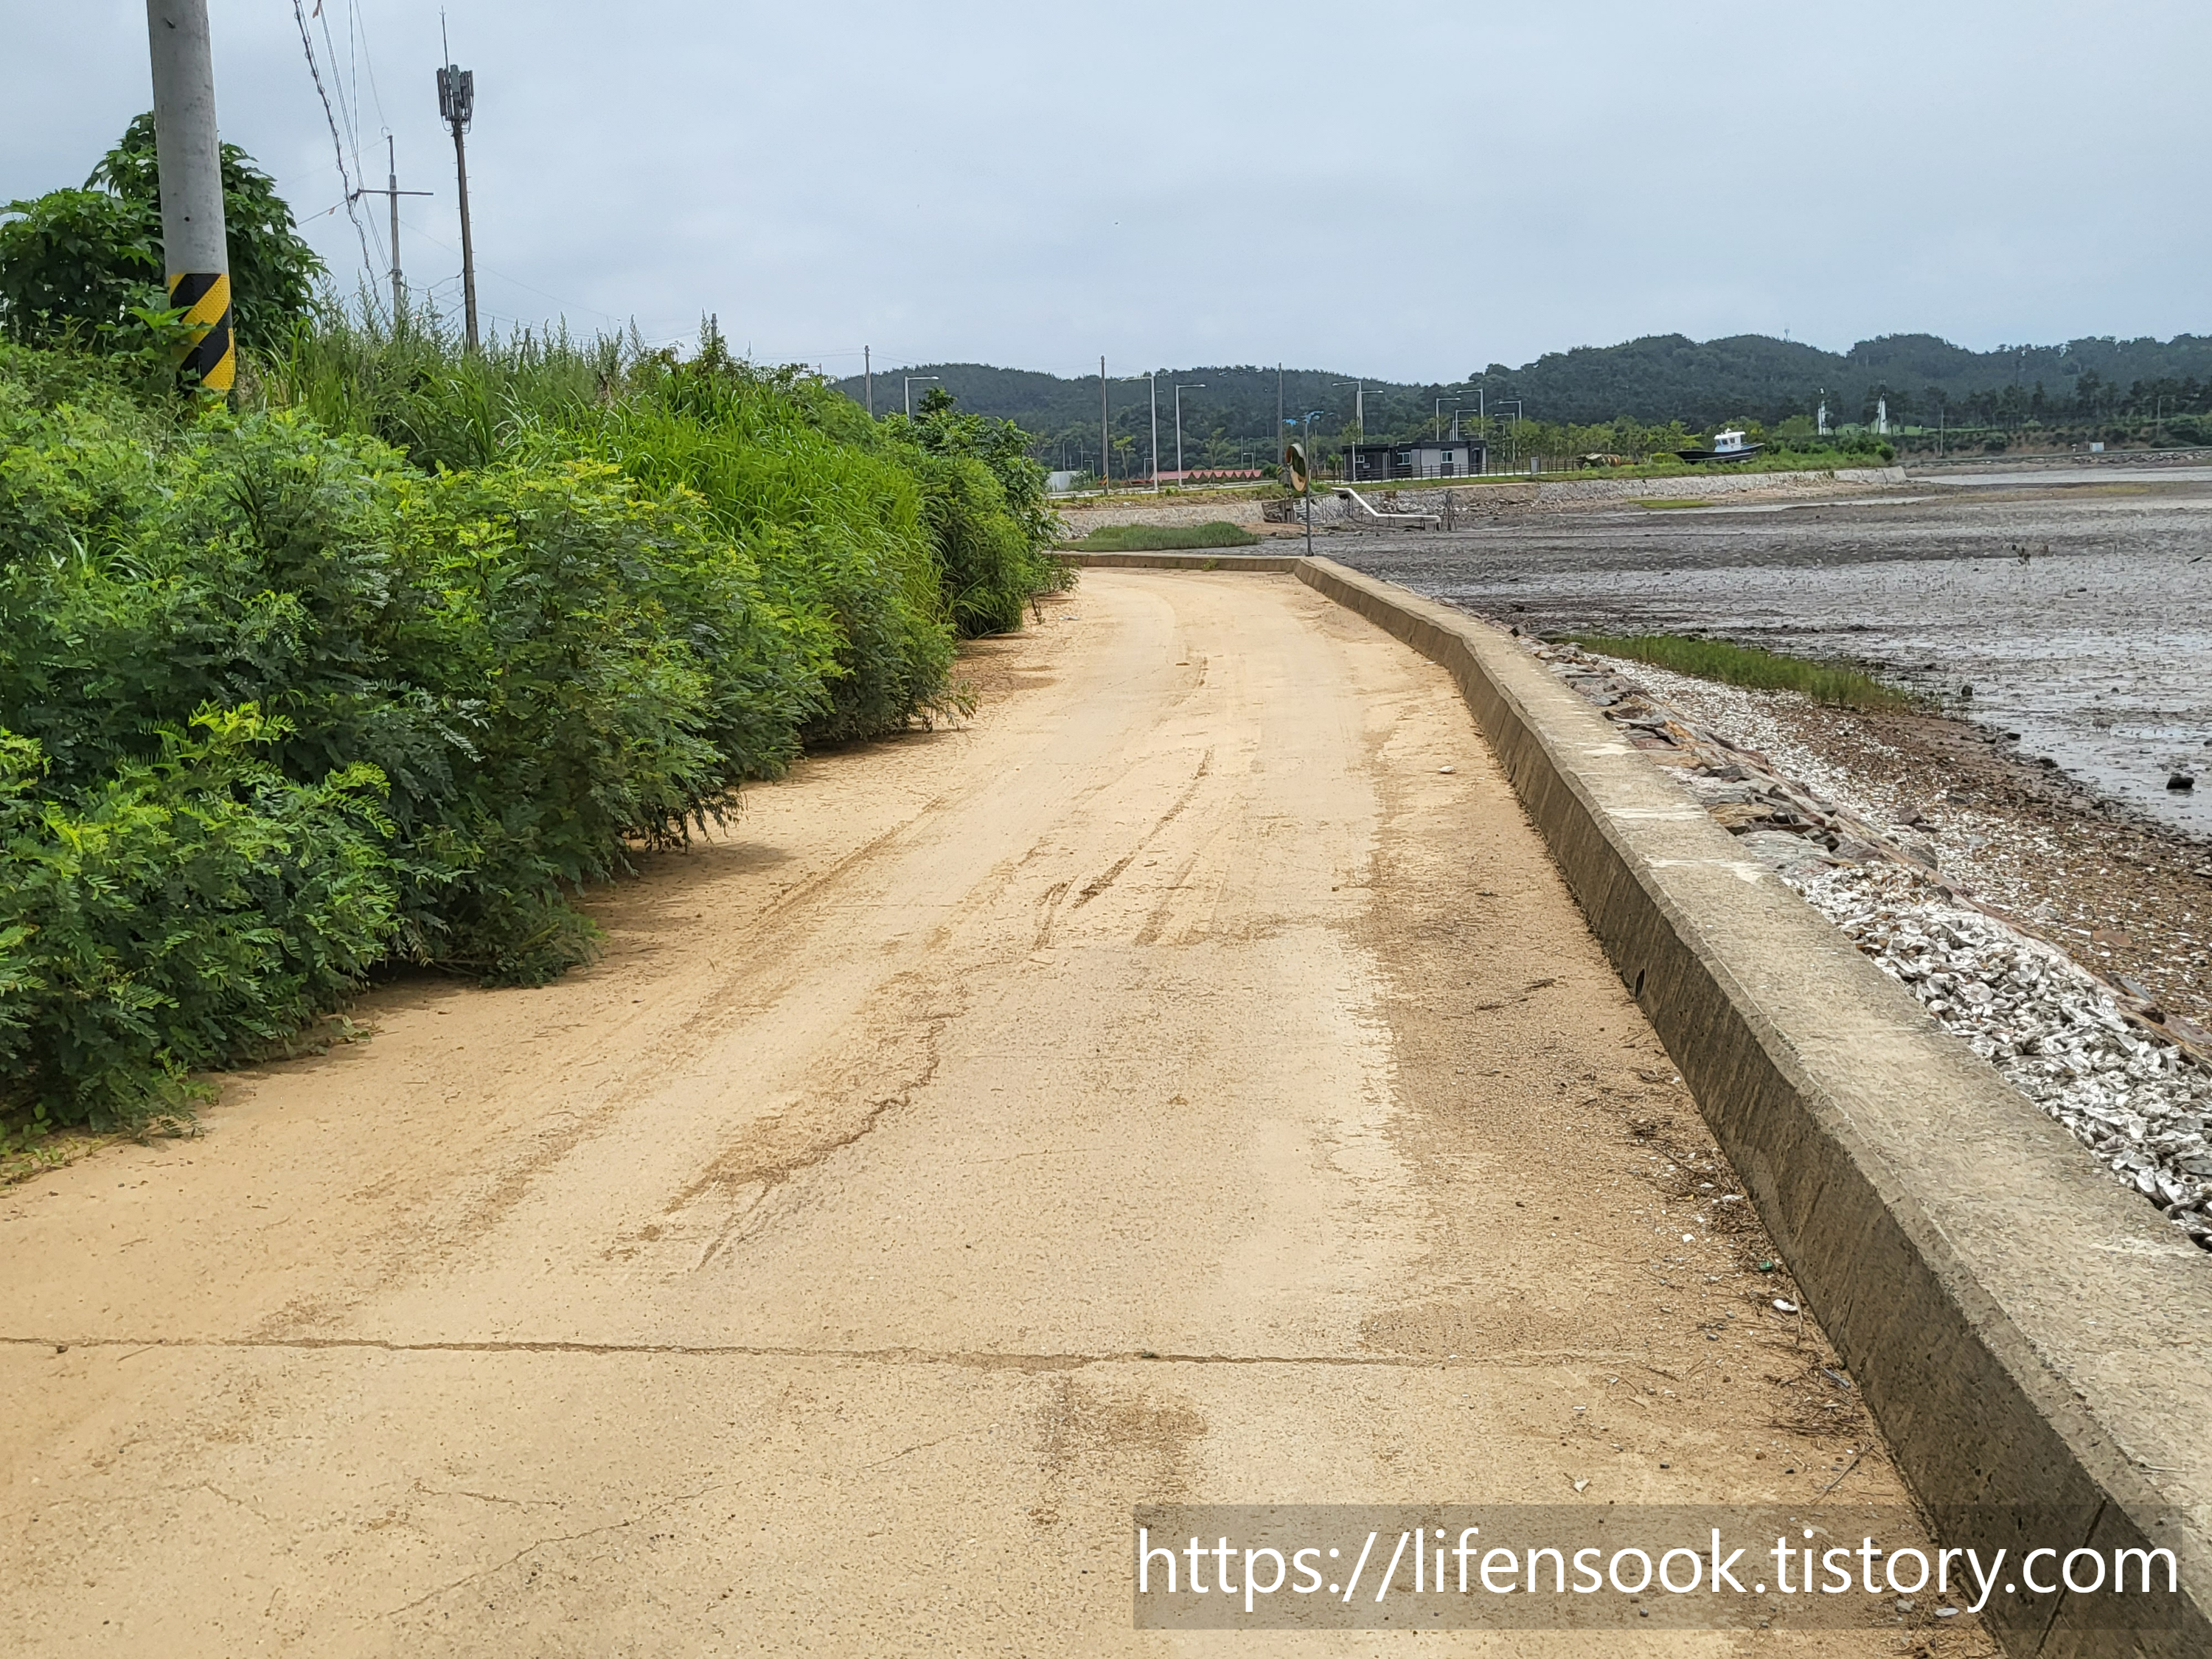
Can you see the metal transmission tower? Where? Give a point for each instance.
(457, 103)
(190, 168)
(393, 191)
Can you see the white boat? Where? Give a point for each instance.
(1727, 447)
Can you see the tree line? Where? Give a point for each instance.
(1661, 382)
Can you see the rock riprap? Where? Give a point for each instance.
(2131, 1082)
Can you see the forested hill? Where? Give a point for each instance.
(1668, 376)
(1229, 413)
(1660, 378)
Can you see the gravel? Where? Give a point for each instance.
(2089, 1053)
(2051, 1030)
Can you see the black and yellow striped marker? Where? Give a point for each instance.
(211, 357)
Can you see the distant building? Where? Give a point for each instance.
(1448, 457)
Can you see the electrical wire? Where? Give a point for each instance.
(307, 45)
(375, 92)
(349, 110)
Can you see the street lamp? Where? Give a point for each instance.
(1154, 380)
(910, 379)
(1440, 408)
(1182, 387)
(1516, 402)
(1359, 389)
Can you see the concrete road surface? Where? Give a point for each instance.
(1186, 1080)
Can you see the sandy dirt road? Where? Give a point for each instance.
(1188, 1080)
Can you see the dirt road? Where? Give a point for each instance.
(1187, 1080)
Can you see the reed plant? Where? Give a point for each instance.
(1748, 665)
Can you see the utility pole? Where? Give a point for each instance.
(393, 190)
(1278, 402)
(1105, 438)
(457, 103)
(189, 165)
(868, 377)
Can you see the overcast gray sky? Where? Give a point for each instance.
(1402, 191)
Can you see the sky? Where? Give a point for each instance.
(1402, 193)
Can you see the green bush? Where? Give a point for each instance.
(87, 264)
(283, 701)
(76, 261)
(384, 658)
(185, 911)
(984, 502)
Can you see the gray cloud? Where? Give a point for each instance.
(1399, 192)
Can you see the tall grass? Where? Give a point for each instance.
(385, 660)
(1748, 665)
(1160, 537)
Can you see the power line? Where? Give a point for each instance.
(307, 45)
(350, 109)
(356, 20)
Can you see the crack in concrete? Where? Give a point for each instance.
(544, 1543)
(983, 1359)
(773, 1176)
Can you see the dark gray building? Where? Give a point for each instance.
(1448, 457)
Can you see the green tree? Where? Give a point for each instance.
(74, 262)
(272, 271)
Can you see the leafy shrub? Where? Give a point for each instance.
(183, 912)
(387, 661)
(984, 502)
(88, 262)
(76, 261)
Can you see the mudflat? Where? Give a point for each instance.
(2079, 613)
(1187, 1080)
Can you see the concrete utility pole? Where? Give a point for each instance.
(1105, 437)
(457, 103)
(868, 377)
(393, 190)
(190, 164)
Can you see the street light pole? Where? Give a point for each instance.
(1154, 379)
(1180, 387)
(1516, 402)
(1448, 391)
(910, 379)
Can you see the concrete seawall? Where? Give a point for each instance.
(2028, 1338)
(1479, 497)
